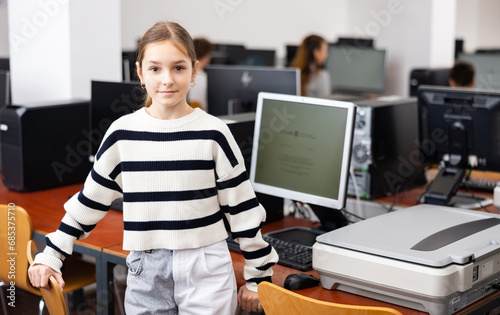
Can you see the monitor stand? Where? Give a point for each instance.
(443, 190)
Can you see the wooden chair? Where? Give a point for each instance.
(77, 273)
(279, 301)
(54, 298)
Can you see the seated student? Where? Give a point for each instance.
(310, 59)
(198, 91)
(462, 75)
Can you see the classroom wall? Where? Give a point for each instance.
(4, 40)
(273, 24)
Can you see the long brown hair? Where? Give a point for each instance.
(163, 31)
(305, 61)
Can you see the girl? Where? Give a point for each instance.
(310, 59)
(181, 175)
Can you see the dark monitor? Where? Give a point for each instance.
(487, 69)
(488, 51)
(459, 47)
(4, 64)
(302, 149)
(257, 57)
(459, 129)
(428, 76)
(109, 101)
(226, 54)
(291, 51)
(234, 89)
(4, 89)
(129, 59)
(356, 70)
(355, 42)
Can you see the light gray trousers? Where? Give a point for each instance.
(190, 281)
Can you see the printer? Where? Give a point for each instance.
(435, 259)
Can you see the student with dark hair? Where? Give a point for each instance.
(462, 75)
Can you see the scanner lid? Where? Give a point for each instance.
(425, 234)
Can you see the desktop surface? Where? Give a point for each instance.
(46, 210)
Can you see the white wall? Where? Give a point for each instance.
(255, 23)
(273, 24)
(4, 34)
(58, 47)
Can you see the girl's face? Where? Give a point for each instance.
(320, 54)
(167, 72)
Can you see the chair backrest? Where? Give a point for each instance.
(54, 298)
(15, 232)
(277, 300)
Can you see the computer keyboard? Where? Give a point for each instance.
(294, 254)
(478, 185)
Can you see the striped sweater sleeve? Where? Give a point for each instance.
(83, 211)
(246, 217)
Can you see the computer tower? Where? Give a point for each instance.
(45, 145)
(242, 128)
(385, 154)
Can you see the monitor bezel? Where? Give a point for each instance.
(337, 204)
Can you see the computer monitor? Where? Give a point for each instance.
(257, 57)
(356, 70)
(302, 149)
(291, 51)
(4, 89)
(355, 42)
(109, 101)
(226, 54)
(458, 128)
(234, 89)
(487, 69)
(5, 64)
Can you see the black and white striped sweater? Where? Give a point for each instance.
(178, 179)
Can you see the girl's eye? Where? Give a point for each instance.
(154, 69)
(179, 68)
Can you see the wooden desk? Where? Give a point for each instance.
(104, 244)
(46, 211)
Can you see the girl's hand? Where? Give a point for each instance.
(39, 276)
(249, 300)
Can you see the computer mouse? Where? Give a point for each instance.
(297, 281)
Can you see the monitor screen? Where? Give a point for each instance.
(487, 69)
(109, 101)
(356, 70)
(302, 148)
(234, 89)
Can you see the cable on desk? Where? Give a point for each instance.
(356, 190)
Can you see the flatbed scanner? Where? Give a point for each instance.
(435, 259)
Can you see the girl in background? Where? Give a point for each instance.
(310, 59)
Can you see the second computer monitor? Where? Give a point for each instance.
(487, 69)
(302, 148)
(234, 89)
(354, 70)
